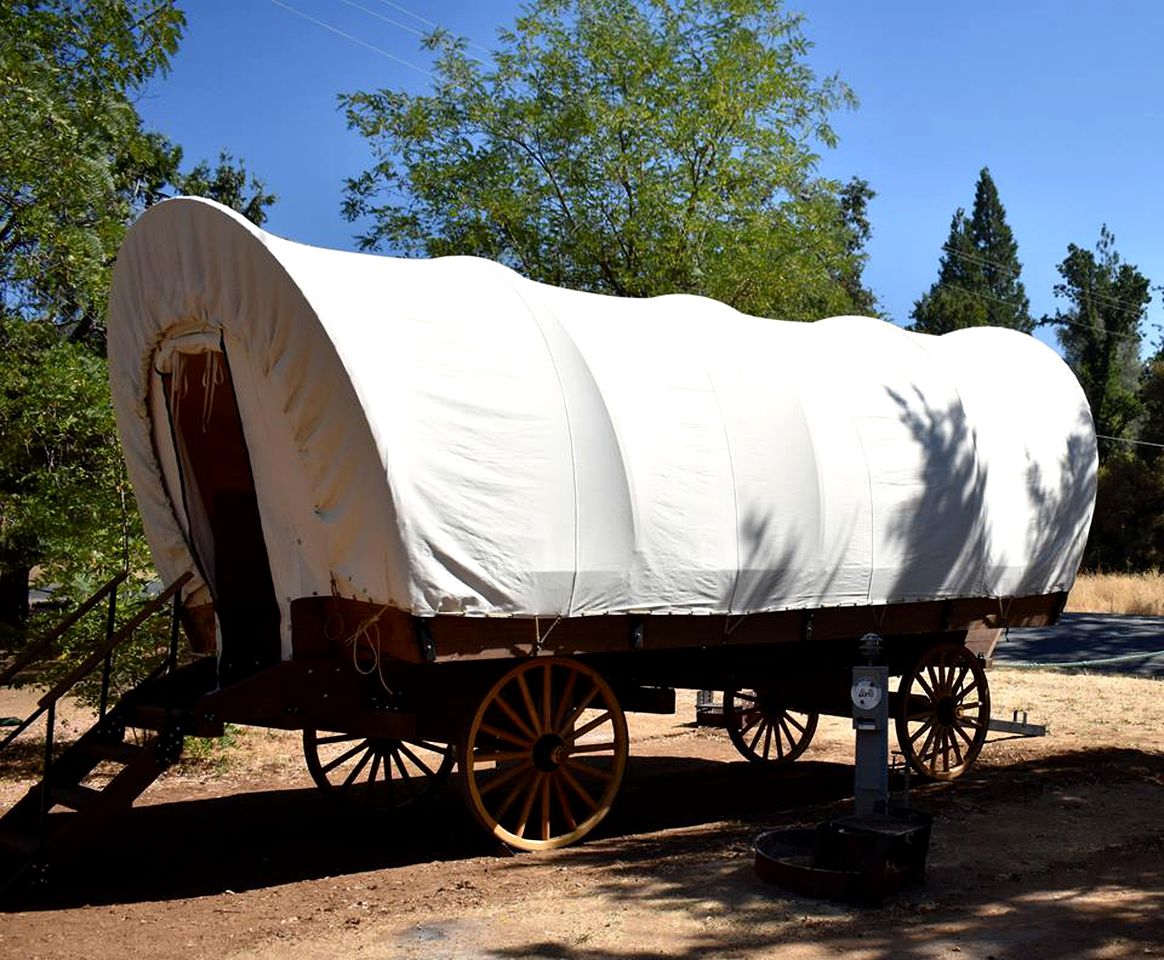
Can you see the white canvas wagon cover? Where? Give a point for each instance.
(447, 437)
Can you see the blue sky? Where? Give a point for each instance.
(1062, 100)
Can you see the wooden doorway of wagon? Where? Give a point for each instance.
(218, 496)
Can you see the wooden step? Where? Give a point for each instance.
(17, 846)
(148, 716)
(117, 751)
(74, 797)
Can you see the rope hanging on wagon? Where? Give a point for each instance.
(364, 631)
(212, 378)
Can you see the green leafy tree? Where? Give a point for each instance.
(632, 147)
(76, 166)
(1100, 332)
(978, 274)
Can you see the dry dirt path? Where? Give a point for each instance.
(1051, 848)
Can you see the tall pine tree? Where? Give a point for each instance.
(978, 281)
(1101, 331)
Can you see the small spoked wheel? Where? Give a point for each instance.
(765, 731)
(544, 754)
(381, 772)
(943, 712)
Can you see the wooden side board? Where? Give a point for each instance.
(331, 626)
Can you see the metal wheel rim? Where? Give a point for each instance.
(545, 754)
(943, 712)
(764, 733)
(381, 773)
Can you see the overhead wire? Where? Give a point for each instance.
(429, 23)
(987, 262)
(347, 36)
(380, 16)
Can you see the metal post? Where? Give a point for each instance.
(107, 669)
(45, 803)
(175, 624)
(870, 696)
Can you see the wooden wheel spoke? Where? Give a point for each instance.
(767, 751)
(501, 756)
(355, 771)
(789, 718)
(591, 747)
(924, 752)
(529, 704)
(501, 778)
(517, 721)
(546, 831)
(961, 731)
(789, 737)
(927, 688)
(923, 728)
(337, 738)
(567, 696)
(527, 803)
(582, 766)
(375, 768)
(346, 756)
(505, 735)
(578, 789)
(428, 772)
(761, 729)
(586, 728)
(564, 803)
(405, 777)
(580, 709)
(746, 696)
(749, 720)
(513, 794)
(547, 701)
(956, 688)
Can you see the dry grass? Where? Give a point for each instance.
(1133, 594)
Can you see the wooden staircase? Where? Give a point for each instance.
(71, 806)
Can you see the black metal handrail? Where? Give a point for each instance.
(102, 654)
(36, 652)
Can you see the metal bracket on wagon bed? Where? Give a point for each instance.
(1017, 726)
(425, 641)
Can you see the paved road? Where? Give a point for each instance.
(1090, 637)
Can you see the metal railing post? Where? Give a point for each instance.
(107, 670)
(175, 624)
(45, 802)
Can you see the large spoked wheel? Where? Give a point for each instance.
(763, 729)
(943, 712)
(544, 754)
(380, 772)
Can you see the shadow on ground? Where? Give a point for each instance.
(258, 839)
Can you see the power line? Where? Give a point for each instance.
(987, 262)
(429, 23)
(984, 261)
(1138, 443)
(1070, 323)
(348, 36)
(380, 16)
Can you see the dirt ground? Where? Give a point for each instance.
(1050, 847)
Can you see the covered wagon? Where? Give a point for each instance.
(434, 510)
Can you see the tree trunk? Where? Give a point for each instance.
(14, 597)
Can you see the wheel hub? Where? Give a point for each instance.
(550, 752)
(947, 711)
